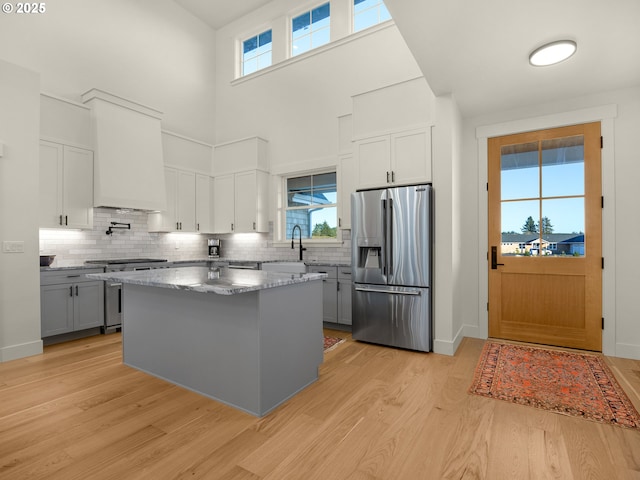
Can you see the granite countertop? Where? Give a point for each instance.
(79, 266)
(223, 281)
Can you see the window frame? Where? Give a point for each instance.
(353, 18)
(299, 12)
(283, 199)
(242, 40)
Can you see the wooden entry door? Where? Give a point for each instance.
(545, 237)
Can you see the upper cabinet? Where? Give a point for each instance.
(188, 204)
(66, 186)
(392, 135)
(188, 191)
(396, 159)
(240, 186)
(240, 202)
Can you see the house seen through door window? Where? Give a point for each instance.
(543, 198)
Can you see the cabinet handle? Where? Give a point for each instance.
(66, 220)
(338, 285)
(76, 290)
(60, 219)
(393, 176)
(232, 227)
(387, 177)
(254, 225)
(198, 227)
(339, 222)
(71, 291)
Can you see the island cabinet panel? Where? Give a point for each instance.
(250, 350)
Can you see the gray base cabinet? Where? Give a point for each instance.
(336, 293)
(70, 302)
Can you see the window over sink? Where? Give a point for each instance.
(311, 202)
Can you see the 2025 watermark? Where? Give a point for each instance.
(24, 8)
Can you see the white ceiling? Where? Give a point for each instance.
(478, 50)
(218, 13)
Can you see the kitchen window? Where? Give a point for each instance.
(311, 202)
(310, 30)
(256, 52)
(367, 13)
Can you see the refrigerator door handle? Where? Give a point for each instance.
(383, 250)
(390, 238)
(392, 292)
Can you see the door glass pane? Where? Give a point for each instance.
(563, 166)
(519, 171)
(519, 225)
(563, 227)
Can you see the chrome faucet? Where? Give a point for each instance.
(293, 231)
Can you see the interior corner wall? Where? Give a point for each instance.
(448, 323)
(19, 180)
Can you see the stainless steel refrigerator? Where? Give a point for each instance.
(391, 237)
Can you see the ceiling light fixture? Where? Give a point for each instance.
(552, 53)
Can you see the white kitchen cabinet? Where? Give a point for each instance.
(70, 302)
(188, 203)
(66, 186)
(240, 202)
(348, 172)
(203, 203)
(223, 204)
(396, 159)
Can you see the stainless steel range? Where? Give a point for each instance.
(113, 290)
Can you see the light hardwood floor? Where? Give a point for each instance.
(76, 412)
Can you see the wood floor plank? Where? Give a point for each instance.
(376, 413)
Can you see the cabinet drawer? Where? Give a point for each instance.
(68, 276)
(344, 273)
(332, 272)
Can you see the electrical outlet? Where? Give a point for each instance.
(177, 245)
(13, 246)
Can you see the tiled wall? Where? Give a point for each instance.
(73, 247)
(260, 246)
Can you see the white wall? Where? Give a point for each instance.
(296, 108)
(620, 115)
(149, 51)
(19, 272)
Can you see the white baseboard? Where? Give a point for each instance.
(626, 350)
(14, 352)
(448, 347)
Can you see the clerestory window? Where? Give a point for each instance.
(310, 30)
(367, 13)
(256, 52)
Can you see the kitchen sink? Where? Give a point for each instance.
(287, 267)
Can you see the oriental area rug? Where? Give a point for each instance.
(576, 384)
(331, 342)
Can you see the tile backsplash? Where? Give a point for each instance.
(73, 247)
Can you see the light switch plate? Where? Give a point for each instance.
(13, 246)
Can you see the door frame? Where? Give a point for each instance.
(604, 114)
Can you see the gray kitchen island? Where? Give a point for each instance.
(250, 339)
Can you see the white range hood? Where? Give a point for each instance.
(128, 163)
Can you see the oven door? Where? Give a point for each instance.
(113, 305)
